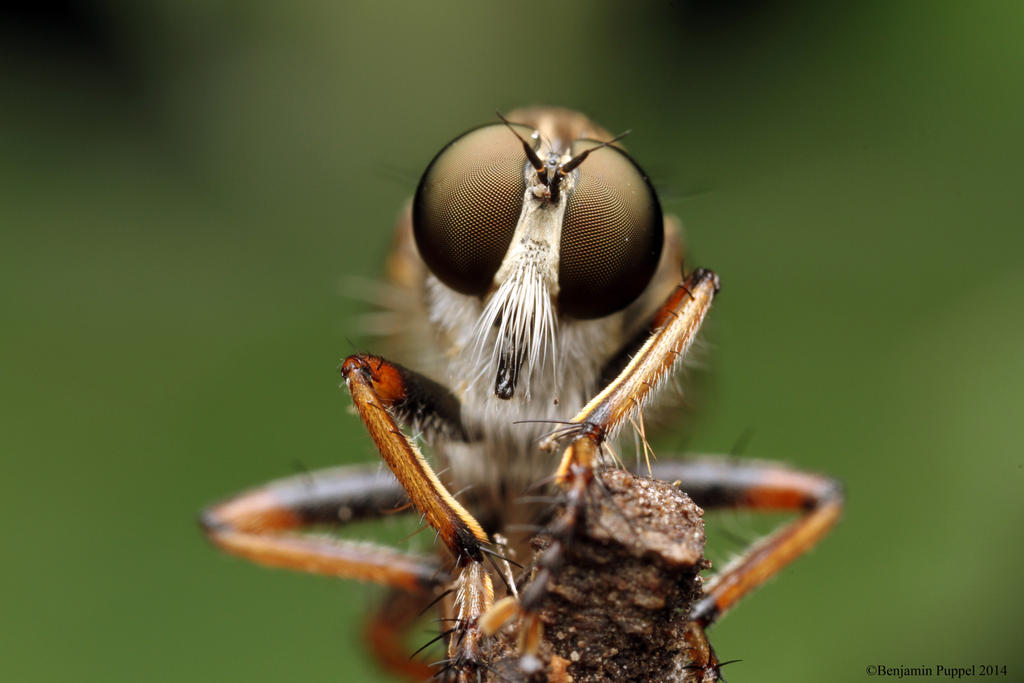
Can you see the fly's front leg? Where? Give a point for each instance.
(721, 483)
(383, 392)
(674, 328)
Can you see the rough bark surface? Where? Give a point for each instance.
(617, 609)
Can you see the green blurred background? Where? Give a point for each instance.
(184, 187)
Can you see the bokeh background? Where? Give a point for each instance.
(185, 186)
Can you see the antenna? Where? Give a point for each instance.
(538, 165)
(571, 165)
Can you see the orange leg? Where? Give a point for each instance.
(386, 630)
(717, 483)
(756, 485)
(384, 392)
(261, 525)
(674, 328)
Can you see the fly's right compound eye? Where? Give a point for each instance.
(467, 205)
(612, 234)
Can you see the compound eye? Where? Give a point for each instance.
(612, 234)
(467, 206)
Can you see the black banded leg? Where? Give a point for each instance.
(262, 525)
(723, 483)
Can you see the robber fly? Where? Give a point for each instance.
(542, 296)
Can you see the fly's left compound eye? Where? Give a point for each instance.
(612, 234)
(467, 206)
